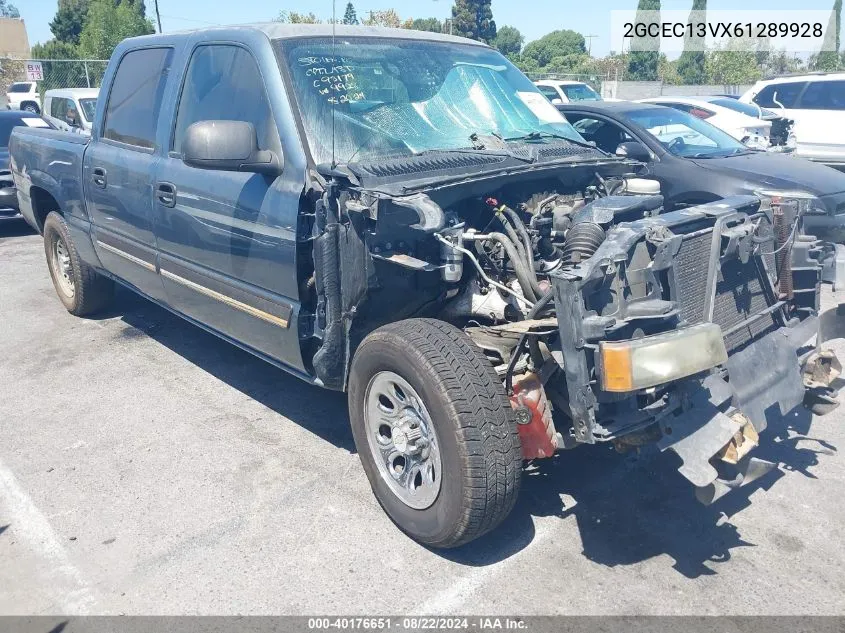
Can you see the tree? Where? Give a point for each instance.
(474, 19)
(644, 57)
(69, 19)
(292, 17)
(691, 64)
(554, 44)
(350, 16)
(107, 25)
(733, 64)
(8, 10)
(427, 24)
(828, 58)
(508, 40)
(388, 17)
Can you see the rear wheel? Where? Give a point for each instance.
(30, 107)
(435, 432)
(81, 289)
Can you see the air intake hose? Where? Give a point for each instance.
(582, 240)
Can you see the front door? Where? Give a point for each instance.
(227, 240)
(119, 167)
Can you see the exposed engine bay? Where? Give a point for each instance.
(606, 319)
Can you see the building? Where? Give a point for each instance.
(13, 40)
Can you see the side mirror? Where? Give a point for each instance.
(633, 150)
(228, 146)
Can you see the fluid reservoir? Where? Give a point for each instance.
(534, 416)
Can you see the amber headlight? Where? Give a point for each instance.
(654, 360)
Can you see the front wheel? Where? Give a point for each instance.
(435, 432)
(30, 107)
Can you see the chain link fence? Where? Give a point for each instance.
(56, 73)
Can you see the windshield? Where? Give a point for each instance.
(396, 97)
(580, 92)
(19, 87)
(685, 135)
(88, 107)
(738, 106)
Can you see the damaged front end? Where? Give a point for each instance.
(606, 319)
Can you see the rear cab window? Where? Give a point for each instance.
(135, 98)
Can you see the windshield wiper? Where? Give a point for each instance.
(536, 135)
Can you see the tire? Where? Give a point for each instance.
(465, 415)
(30, 107)
(81, 289)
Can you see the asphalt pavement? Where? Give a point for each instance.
(147, 467)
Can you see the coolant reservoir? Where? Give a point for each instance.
(641, 186)
(534, 416)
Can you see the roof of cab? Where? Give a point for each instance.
(74, 93)
(282, 31)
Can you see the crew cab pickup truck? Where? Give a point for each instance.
(404, 217)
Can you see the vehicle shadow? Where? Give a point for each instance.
(627, 507)
(15, 228)
(634, 507)
(317, 410)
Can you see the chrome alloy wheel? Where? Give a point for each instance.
(402, 440)
(62, 267)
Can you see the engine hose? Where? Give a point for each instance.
(582, 240)
(514, 238)
(519, 225)
(520, 345)
(523, 275)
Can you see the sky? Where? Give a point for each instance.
(534, 18)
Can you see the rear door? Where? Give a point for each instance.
(227, 240)
(819, 115)
(119, 168)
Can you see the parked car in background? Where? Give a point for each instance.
(23, 95)
(558, 91)
(71, 109)
(748, 123)
(8, 121)
(696, 162)
(398, 229)
(816, 103)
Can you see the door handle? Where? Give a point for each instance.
(99, 177)
(166, 194)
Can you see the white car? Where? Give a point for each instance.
(71, 109)
(23, 95)
(558, 91)
(746, 123)
(816, 102)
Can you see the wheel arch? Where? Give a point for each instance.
(43, 202)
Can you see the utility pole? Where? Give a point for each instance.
(158, 17)
(589, 39)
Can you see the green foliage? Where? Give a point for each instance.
(691, 64)
(388, 17)
(828, 59)
(508, 40)
(427, 24)
(69, 20)
(292, 17)
(107, 25)
(350, 16)
(730, 67)
(474, 19)
(8, 10)
(555, 44)
(644, 57)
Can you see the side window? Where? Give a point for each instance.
(56, 107)
(135, 98)
(824, 95)
(223, 83)
(607, 136)
(786, 94)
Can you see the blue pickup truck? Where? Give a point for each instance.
(404, 217)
